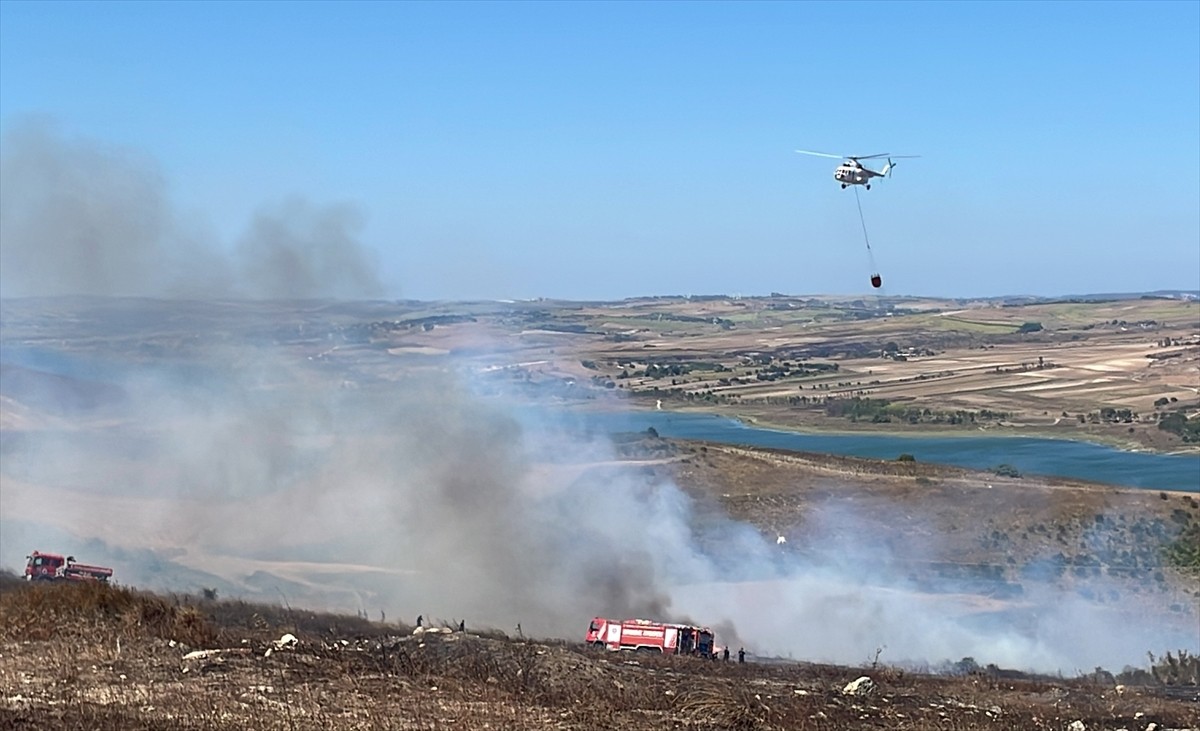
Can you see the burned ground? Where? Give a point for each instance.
(103, 657)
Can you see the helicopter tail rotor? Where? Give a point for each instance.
(891, 164)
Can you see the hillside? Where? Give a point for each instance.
(107, 658)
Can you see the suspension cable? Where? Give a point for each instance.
(876, 280)
(862, 219)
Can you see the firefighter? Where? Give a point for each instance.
(725, 654)
(741, 654)
(462, 625)
(420, 618)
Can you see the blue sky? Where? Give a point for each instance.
(605, 150)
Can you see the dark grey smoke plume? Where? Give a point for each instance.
(79, 217)
(299, 251)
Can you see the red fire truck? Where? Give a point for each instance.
(53, 567)
(643, 635)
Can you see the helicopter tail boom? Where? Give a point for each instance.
(887, 169)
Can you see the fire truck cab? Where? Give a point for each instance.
(644, 635)
(54, 567)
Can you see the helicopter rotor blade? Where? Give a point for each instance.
(821, 154)
(904, 156)
(867, 157)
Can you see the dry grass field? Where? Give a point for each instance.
(105, 659)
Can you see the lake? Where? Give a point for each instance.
(1032, 456)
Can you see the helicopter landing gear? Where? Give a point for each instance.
(843, 186)
(868, 186)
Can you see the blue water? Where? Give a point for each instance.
(1032, 456)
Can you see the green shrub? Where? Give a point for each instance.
(1006, 470)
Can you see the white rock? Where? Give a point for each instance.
(1076, 726)
(861, 686)
(288, 640)
(200, 654)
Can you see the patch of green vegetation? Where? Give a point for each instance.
(1177, 423)
(1006, 470)
(882, 411)
(858, 408)
(1184, 551)
(787, 369)
(951, 322)
(562, 327)
(1110, 415)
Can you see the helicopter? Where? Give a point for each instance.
(853, 172)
